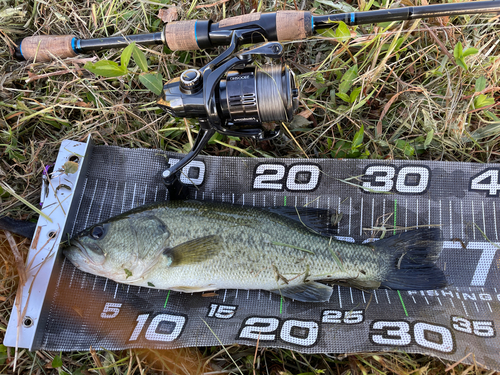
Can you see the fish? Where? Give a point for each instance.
(196, 246)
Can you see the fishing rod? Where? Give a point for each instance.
(231, 95)
(201, 34)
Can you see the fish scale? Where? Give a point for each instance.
(194, 246)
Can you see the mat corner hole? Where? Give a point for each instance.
(27, 322)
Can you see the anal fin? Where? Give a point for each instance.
(307, 292)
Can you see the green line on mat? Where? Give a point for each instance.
(281, 305)
(168, 295)
(404, 307)
(395, 206)
(284, 204)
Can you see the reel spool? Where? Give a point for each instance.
(232, 96)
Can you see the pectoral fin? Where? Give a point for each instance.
(307, 292)
(194, 251)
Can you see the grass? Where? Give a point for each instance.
(402, 91)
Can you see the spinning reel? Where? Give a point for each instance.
(232, 96)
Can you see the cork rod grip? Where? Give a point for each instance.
(46, 47)
(293, 25)
(181, 35)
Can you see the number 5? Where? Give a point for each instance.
(110, 310)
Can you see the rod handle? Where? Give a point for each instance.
(46, 47)
(293, 25)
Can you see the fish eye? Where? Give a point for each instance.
(97, 232)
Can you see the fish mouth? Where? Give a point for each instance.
(84, 253)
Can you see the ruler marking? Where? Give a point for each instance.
(350, 214)
(440, 214)
(274, 200)
(375, 294)
(426, 300)
(84, 278)
(451, 300)
(258, 295)
(406, 214)
(439, 301)
(413, 298)
(462, 217)
(166, 300)
(463, 304)
(475, 304)
(495, 220)
(128, 288)
(203, 195)
(248, 293)
(361, 218)
(225, 294)
(102, 202)
(71, 279)
(402, 302)
(473, 221)
(350, 290)
(91, 202)
(95, 280)
(243, 199)
(417, 214)
(195, 194)
(489, 306)
(124, 195)
(363, 293)
(451, 220)
(105, 284)
(270, 294)
(373, 213)
(484, 219)
(263, 200)
(236, 296)
(253, 200)
(395, 214)
(145, 192)
(139, 290)
(222, 197)
(429, 215)
(116, 290)
(78, 210)
(383, 211)
(327, 203)
(387, 294)
(156, 193)
(340, 298)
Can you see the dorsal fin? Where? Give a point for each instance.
(316, 219)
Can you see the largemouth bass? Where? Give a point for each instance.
(193, 246)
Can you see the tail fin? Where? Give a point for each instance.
(412, 256)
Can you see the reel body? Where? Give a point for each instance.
(232, 96)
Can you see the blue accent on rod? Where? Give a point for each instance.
(21, 51)
(73, 45)
(78, 45)
(312, 23)
(353, 17)
(196, 36)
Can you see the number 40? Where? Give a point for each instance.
(486, 180)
